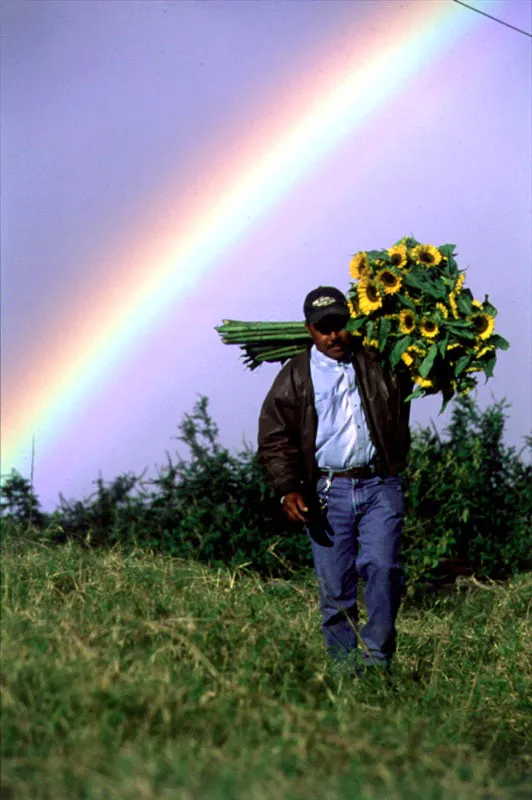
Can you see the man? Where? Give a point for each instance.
(333, 438)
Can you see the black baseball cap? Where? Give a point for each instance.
(325, 301)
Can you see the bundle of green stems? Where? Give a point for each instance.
(265, 341)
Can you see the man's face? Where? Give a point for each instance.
(330, 337)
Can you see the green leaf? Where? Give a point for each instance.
(406, 301)
(445, 404)
(410, 242)
(499, 342)
(464, 303)
(419, 279)
(456, 323)
(428, 361)
(439, 291)
(370, 328)
(354, 324)
(442, 346)
(460, 331)
(413, 278)
(419, 392)
(461, 364)
(447, 250)
(398, 349)
(384, 330)
(488, 308)
(489, 367)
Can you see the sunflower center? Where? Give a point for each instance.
(372, 292)
(426, 257)
(481, 324)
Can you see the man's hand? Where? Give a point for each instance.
(295, 507)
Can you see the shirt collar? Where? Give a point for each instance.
(321, 360)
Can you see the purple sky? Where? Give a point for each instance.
(111, 108)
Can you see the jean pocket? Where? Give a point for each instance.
(394, 482)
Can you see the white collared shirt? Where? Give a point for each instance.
(343, 440)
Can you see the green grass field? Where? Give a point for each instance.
(140, 676)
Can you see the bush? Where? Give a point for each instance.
(215, 507)
(469, 497)
(469, 500)
(218, 507)
(18, 501)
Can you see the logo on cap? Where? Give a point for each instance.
(323, 301)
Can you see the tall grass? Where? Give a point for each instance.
(138, 676)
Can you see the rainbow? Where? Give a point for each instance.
(162, 267)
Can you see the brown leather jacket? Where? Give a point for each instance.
(288, 421)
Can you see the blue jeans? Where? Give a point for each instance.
(369, 513)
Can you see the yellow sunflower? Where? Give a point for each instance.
(370, 343)
(482, 351)
(455, 351)
(423, 382)
(369, 296)
(459, 283)
(483, 325)
(452, 303)
(389, 280)
(407, 321)
(442, 309)
(426, 254)
(407, 358)
(476, 303)
(429, 329)
(351, 306)
(359, 266)
(398, 255)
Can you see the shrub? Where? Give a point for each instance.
(468, 498)
(18, 501)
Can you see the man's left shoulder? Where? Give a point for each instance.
(368, 357)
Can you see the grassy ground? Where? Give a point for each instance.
(145, 677)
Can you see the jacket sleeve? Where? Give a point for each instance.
(279, 448)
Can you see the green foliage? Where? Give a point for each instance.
(18, 501)
(469, 497)
(217, 506)
(136, 675)
(104, 516)
(469, 500)
(214, 506)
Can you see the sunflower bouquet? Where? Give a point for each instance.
(408, 303)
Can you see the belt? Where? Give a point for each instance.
(356, 473)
